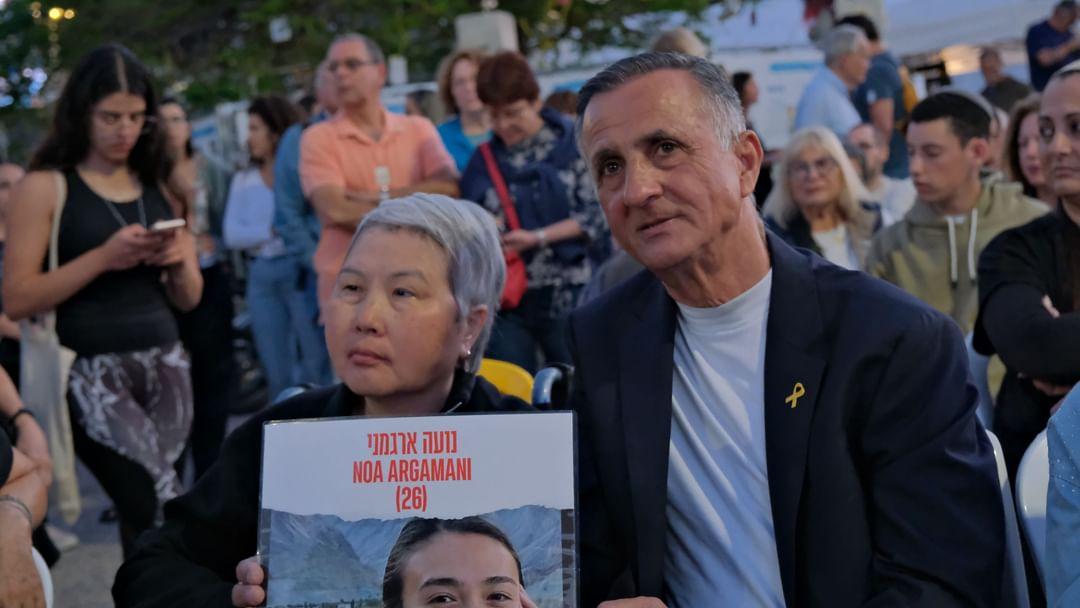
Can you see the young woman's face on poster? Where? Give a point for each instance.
(462, 570)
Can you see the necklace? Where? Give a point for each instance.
(116, 212)
(112, 205)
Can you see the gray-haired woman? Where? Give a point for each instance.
(406, 327)
(818, 202)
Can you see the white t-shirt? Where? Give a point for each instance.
(249, 216)
(721, 547)
(836, 247)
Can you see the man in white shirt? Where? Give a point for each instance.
(895, 196)
(826, 101)
(758, 427)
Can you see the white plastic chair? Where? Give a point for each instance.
(1014, 592)
(977, 364)
(1032, 482)
(46, 577)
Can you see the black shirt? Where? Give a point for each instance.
(121, 310)
(1016, 270)
(1006, 93)
(1041, 36)
(191, 560)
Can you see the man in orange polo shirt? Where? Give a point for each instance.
(364, 154)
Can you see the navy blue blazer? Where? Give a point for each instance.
(883, 484)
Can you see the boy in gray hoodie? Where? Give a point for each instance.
(934, 250)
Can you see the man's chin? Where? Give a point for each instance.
(928, 197)
(659, 260)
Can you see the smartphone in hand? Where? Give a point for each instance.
(167, 225)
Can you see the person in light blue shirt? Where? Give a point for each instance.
(880, 98)
(294, 218)
(1063, 505)
(826, 101)
(248, 225)
(298, 227)
(470, 125)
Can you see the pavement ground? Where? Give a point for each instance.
(84, 575)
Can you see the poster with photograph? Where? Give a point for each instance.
(402, 512)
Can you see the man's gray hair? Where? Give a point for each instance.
(842, 40)
(375, 52)
(719, 96)
(680, 40)
(468, 235)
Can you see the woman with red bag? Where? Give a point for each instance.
(532, 178)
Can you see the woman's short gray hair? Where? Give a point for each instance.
(720, 97)
(468, 235)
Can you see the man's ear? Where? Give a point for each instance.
(979, 148)
(747, 149)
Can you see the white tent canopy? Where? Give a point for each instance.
(913, 26)
(920, 26)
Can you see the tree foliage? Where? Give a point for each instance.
(219, 50)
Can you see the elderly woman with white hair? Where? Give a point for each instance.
(819, 200)
(406, 326)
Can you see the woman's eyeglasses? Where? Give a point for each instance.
(822, 166)
(352, 64)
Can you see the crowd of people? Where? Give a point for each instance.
(762, 421)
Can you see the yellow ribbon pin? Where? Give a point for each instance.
(798, 392)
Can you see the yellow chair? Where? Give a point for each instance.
(510, 379)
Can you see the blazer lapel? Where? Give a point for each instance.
(645, 368)
(793, 377)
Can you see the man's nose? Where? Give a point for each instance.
(914, 164)
(642, 182)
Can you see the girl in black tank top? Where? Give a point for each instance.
(129, 389)
(118, 311)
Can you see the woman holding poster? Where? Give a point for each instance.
(409, 317)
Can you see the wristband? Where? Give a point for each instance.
(542, 237)
(20, 505)
(20, 413)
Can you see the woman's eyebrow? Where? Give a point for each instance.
(408, 273)
(1068, 116)
(441, 582)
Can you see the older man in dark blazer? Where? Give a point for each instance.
(758, 426)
